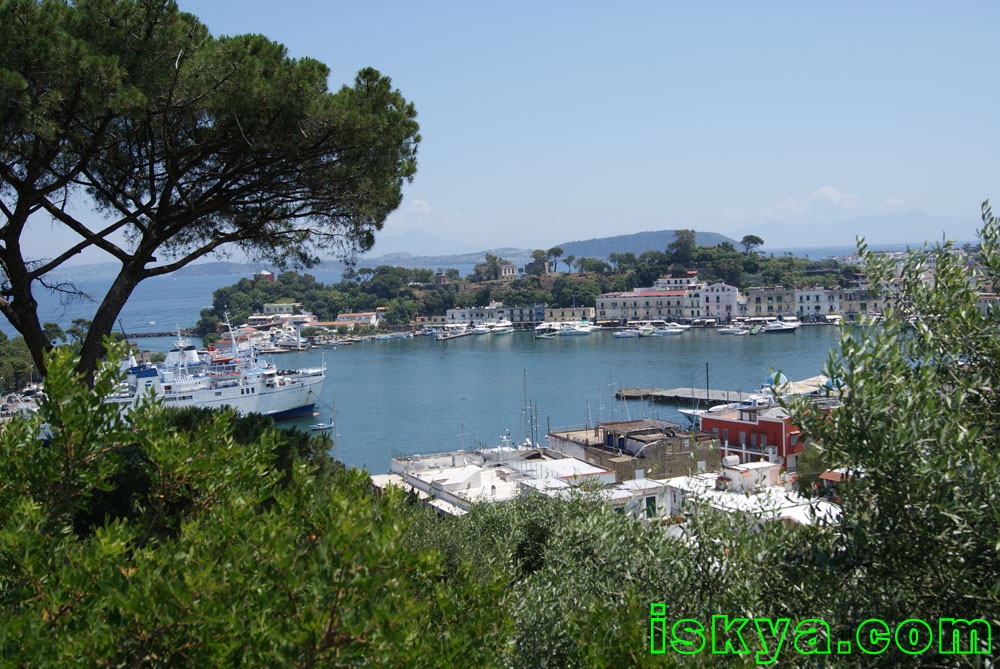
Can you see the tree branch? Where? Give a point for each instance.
(83, 231)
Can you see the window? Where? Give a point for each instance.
(651, 506)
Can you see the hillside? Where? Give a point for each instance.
(657, 240)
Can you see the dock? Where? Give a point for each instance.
(445, 337)
(681, 395)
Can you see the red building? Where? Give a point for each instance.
(755, 433)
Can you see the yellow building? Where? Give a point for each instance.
(564, 314)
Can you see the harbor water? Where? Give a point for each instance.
(418, 395)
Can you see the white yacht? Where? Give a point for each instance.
(782, 326)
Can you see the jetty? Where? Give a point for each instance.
(185, 332)
(444, 337)
(681, 395)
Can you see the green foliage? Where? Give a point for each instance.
(682, 249)
(182, 540)
(16, 368)
(187, 144)
(750, 242)
(918, 430)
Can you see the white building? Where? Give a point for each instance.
(496, 311)
(754, 490)
(720, 302)
(452, 482)
(364, 317)
(814, 304)
(671, 282)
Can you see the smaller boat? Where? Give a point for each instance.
(781, 326)
(731, 329)
(573, 329)
(666, 330)
(628, 332)
(321, 426)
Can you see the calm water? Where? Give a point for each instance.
(421, 395)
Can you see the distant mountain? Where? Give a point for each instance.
(637, 243)
(514, 255)
(415, 243)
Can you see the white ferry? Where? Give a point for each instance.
(238, 379)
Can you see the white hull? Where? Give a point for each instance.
(286, 396)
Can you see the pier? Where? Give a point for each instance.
(681, 395)
(445, 337)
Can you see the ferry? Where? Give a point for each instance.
(239, 380)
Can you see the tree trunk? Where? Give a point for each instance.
(21, 308)
(104, 320)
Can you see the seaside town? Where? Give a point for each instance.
(679, 348)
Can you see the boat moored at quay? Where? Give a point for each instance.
(238, 379)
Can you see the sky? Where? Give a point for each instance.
(547, 122)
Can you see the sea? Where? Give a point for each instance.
(418, 395)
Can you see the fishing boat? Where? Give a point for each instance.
(319, 427)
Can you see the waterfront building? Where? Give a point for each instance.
(640, 448)
(373, 318)
(569, 314)
(816, 303)
(756, 432)
(754, 490)
(856, 302)
(433, 319)
(641, 305)
(521, 315)
(692, 301)
(769, 301)
(720, 302)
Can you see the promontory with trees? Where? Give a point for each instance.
(406, 293)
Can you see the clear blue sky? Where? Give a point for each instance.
(546, 122)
